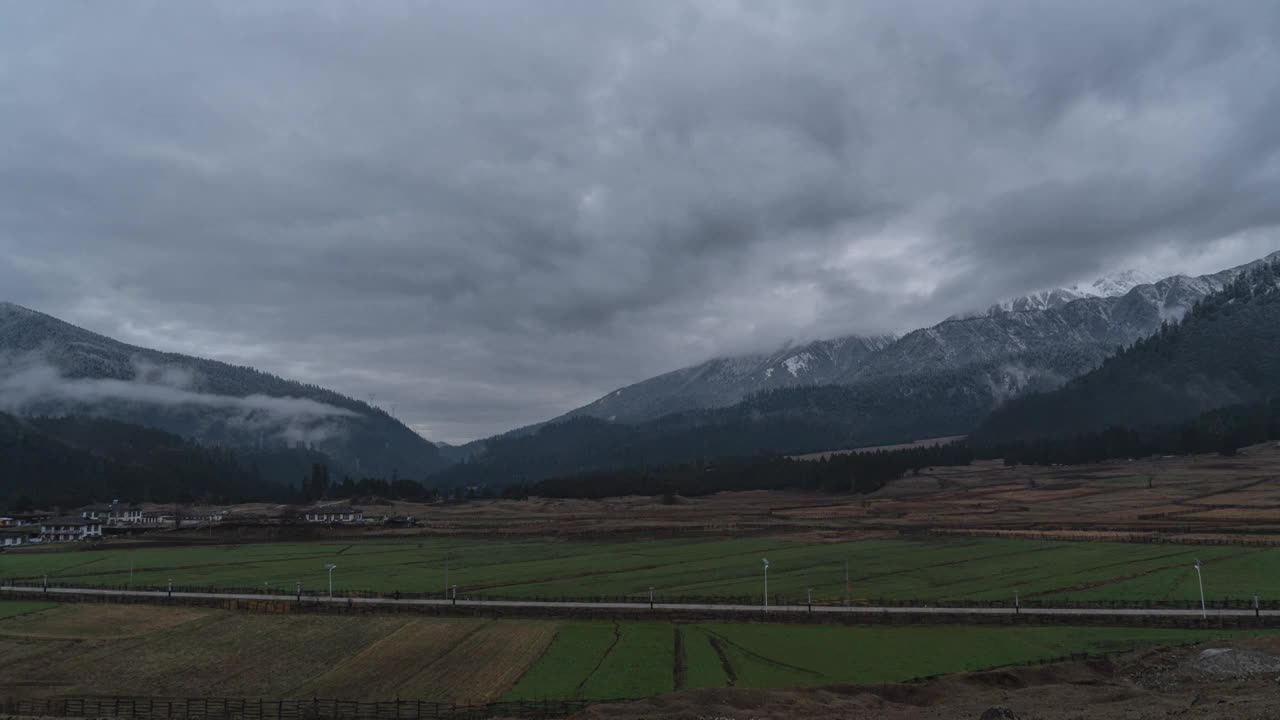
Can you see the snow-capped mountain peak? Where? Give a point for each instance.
(1114, 285)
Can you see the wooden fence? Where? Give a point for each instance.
(153, 708)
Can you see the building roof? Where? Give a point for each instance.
(333, 510)
(109, 507)
(71, 520)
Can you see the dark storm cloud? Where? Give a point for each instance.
(486, 213)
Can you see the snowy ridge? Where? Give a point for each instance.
(1037, 341)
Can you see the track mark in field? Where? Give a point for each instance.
(890, 573)
(344, 549)
(1131, 576)
(617, 636)
(677, 671)
(59, 572)
(760, 657)
(730, 676)
(170, 568)
(624, 571)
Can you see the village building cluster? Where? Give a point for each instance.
(93, 522)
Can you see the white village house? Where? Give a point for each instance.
(113, 513)
(14, 535)
(70, 529)
(334, 514)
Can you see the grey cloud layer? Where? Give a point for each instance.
(488, 213)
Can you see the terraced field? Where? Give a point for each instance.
(179, 652)
(897, 569)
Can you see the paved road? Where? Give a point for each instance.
(657, 608)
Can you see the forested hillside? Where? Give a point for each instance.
(1225, 352)
(72, 461)
(776, 422)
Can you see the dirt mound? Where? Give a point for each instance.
(999, 712)
(1235, 663)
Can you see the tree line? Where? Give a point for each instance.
(854, 472)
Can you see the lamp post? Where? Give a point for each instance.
(848, 589)
(766, 583)
(1257, 608)
(810, 599)
(330, 567)
(170, 587)
(1204, 614)
(650, 597)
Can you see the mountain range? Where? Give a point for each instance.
(828, 394)
(1226, 352)
(939, 381)
(1032, 342)
(50, 368)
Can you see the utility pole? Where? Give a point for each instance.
(848, 589)
(1204, 614)
(766, 584)
(330, 567)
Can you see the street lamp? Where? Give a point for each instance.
(766, 583)
(330, 567)
(1204, 614)
(650, 597)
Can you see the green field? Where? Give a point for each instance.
(598, 660)
(10, 609)
(902, 570)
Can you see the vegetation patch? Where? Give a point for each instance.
(11, 609)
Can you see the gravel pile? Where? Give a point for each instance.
(1233, 663)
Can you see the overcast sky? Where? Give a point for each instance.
(487, 213)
